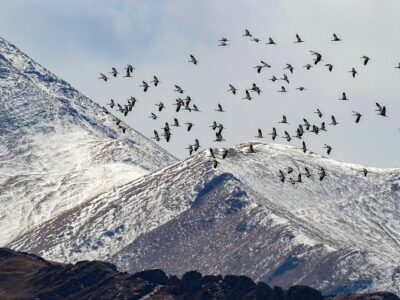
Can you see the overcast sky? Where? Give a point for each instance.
(79, 39)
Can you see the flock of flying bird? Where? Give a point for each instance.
(186, 104)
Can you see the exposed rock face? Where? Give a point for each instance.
(28, 276)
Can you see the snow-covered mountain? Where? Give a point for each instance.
(74, 187)
(57, 147)
(340, 234)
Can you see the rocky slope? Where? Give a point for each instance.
(28, 276)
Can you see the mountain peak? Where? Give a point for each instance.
(57, 147)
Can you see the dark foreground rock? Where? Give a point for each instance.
(26, 276)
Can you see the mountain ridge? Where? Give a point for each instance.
(153, 217)
(57, 140)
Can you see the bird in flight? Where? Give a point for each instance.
(103, 77)
(247, 33)
(381, 110)
(232, 89)
(330, 67)
(193, 59)
(114, 72)
(298, 39)
(247, 97)
(271, 42)
(353, 72)
(357, 115)
(335, 38)
(366, 59)
(155, 81)
(344, 97)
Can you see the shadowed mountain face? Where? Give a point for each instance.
(25, 276)
(57, 147)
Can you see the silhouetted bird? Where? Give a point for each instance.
(271, 42)
(251, 149)
(330, 67)
(284, 120)
(366, 59)
(155, 81)
(306, 124)
(290, 68)
(176, 123)
(274, 135)
(381, 110)
(285, 78)
(357, 115)
(298, 39)
(256, 89)
(283, 89)
(189, 126)
(232, 89)
(265, 64)
(308, 66)
(145, 86)
(190, 148)
(210, 150)
(247, 33)
(335, 38)
(318, 57)
(334, 123)
(365, 171)
(196, 145)
(247, 97)
(193, 59)
(353, 72)
(114, 72)
(328, 149)
(156, 136)
(219, 109)
(322, 174)
(287, 136)
(304, 147)
(344, 96)
(299, 177)
(224, 153)
(111, 104)
(103, 77)
(161, 106)
(178, 89)
(215, 163)
(214, 125)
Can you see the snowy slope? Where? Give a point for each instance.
(338, 235)
(57, 147)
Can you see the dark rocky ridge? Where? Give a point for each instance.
(27, 276)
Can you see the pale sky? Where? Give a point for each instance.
(77, 40)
